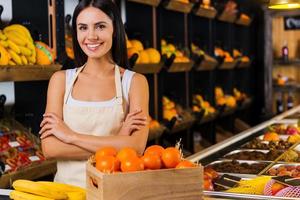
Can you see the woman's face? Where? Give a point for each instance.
(94, 32)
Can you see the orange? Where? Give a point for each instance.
(185, 164)
(154, 55)
(154, 149)
(126, 153)
(137, 45)
(152, 161)
(131, 51)
(108, 164)
(171, 157)
(106, 151)
(271, 136)
(132, 164)
(143, 57)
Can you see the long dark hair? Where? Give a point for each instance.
(118, 50)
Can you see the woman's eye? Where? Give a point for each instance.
(101, 26)
(82, 28)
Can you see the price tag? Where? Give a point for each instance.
(14, 144)
(34, 158)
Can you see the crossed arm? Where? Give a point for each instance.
(60, 142)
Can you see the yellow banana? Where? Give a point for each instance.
(19, 28)
(2, 36)
(13, 46)
(31, 46)
(15, 57)
(24, 60)
(30, 63)
(38, 189)
(4, 58)
(31, 58)
(76, 195)
(11, 62)
(17, 38)
(62, 186)
(25, 51)
(18, 195)
(4, 43)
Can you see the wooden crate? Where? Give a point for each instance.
(185, 184)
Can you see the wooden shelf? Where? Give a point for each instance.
(287, 87)
(154, 3)
(178, 6)
(181, 67)
(36, 170)
(27, 72)
(205, 12)
(228, 65)
(227, 111)
(290, 63)
(243, 21)
(148, 68)
(245, 104)
(207, 63)
(226, 17)
(243, 64)
(183, 125)
(208, 118)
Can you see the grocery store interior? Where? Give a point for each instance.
(224, 84)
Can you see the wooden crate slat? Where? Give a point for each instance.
(179, 6)
(208, 13)
(147, 2)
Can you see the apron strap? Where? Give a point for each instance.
(70, 86)
(118, 84)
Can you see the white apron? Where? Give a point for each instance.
(100, 121)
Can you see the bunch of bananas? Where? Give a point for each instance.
(43, 190)
(16, 46)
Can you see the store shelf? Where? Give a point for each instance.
(243, 21)
(243, 64)
(205, 12)
(208, 118)
(245, 104)
(290, 63)
(32, 172)
(181, 67)
(227, 111)
(228, 65)
(226, 17)
(287, 87)
(178, 6)
(182, 125)
(207, 63)
(154, 3)
(27, 72)
(148, 68)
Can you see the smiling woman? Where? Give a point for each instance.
(100, 102)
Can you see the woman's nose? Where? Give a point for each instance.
(92, 35)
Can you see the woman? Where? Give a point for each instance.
(86, 107)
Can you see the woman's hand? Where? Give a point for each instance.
(132, 123)
(53, 125)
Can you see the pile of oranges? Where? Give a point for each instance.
(109, 160)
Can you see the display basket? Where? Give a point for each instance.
(185, 184)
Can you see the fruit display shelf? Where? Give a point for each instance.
(27, 72)
(243, 21)
(289, 63)
(287, 87)
(181, 67)
(151, 68)
(205, 12)
(206, 63)
(226, 17)
(187, 121)
(228, 65)
(154, 3)
(208, 118)
(178, 6)
(243, 64)
(245, 104)
(155, 133)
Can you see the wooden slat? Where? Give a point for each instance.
(208, 13)
(228, 65)
(181, 67)
(27, 72)
(35, 171)
(147, 68)
(147, 2)
(225, 17)
(179, 6)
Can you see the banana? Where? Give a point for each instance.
(13, 46)
(76, 195)
(24, 60)
(4, 58)
(31, 59)
(31, 46)
(2, 36)
(25, 51)
(38, 189)
(16, 38)
(19, 28)
(17, 195)
(11, 62)
(62, 186)
(4, 43)
(16, 58)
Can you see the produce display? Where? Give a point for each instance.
(18, 48)
(224, 100)
(19, 149)
(254, 155)
(199, 105)
(168, 49)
